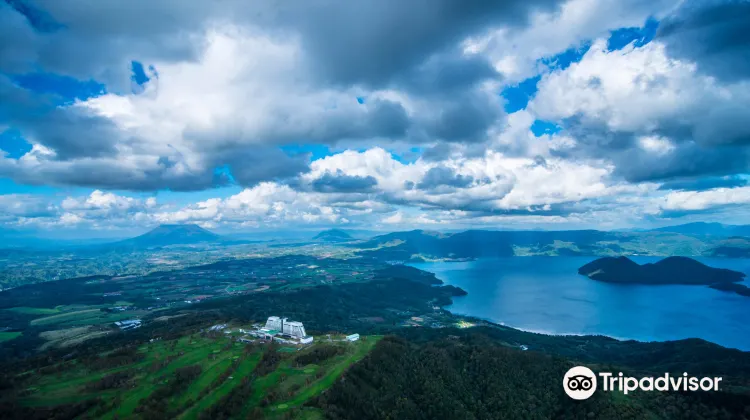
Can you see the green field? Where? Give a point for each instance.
(7, 336)
(224, 365)
(33, 311)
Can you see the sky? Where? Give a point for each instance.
(116, 117)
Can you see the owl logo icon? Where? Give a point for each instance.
(579, 383)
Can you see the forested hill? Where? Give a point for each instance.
(672, 270)
(480, 375)
(333, 235)
(450, 380)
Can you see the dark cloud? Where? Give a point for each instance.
(687, 160)
(701, 184)
(252, 165)
(70, 131)
(409, 46)
(372, 42)
(377, 119)
(247, 168)
(388, 119)
(17, 40)
(712, 34)
(438, 152)
(342, 183)
(92, 39)
(445, 74)
(466, 118)
(443, 176)
(109, 174)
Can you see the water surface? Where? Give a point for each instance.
(547, 295)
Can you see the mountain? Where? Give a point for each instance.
(670, 270)
(423, 244)
(333, 235)
(165, 235)
(732, 247)
(703, 228)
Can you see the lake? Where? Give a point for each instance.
(547, 295)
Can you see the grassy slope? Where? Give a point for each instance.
(343, 362)
(296, 384)
(245, 368)
(7, 336)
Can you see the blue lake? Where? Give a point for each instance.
(547, 295)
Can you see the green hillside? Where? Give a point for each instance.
(193, 377)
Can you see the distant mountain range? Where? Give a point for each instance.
(421, 245)
(333, 235)
(166, 235)
(703, 228)
(693, 239)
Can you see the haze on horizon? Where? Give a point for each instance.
(373, 115)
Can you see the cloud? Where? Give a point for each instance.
(703, 200)
(267, 205)
(344, 183)
(712, 34)
(442, 176)
(518, 54)
(700, 184)
(641, 90)
(374, 42)
(403, 97)
(653, 116)
(492, 182)
(99, 200)
(99, 210)
(13, 206)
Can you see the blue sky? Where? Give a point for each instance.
(570, 114)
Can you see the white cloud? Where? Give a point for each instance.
(516, 53)
(642, 90)
(703, 200)
(655, 144)
(70, 219)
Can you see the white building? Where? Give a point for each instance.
(353, 337)
(293, 328)
(129, 324)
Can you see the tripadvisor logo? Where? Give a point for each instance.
(580, 383)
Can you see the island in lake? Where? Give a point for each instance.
(671, 270)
